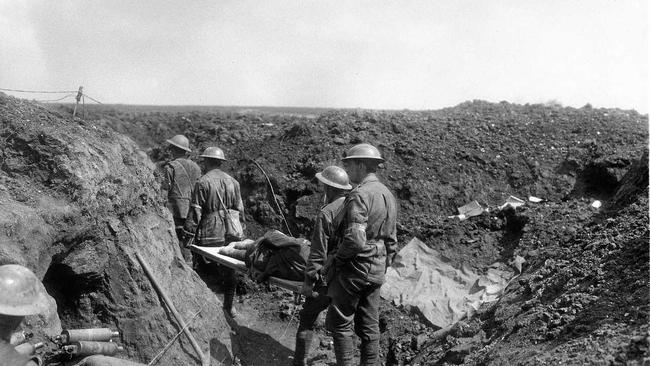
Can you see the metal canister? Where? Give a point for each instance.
(89, 348)
(28, 349)
(93, 334)
(18, 338)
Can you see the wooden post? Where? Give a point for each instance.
(80, 93)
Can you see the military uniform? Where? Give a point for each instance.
(369, 239)
(206, 219)
(324, 242)
(180, 176)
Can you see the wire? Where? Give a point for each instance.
(52, 92)
(293, 315)
(38, 91)
(89, 97)
(173, 339)
(274, 197)
(54, 100)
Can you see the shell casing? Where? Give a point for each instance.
(88, 348)
(93, 334)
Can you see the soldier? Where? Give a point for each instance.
(180, 176)
(324, 242)
(22, 295)
(368, 228)
(214, 194)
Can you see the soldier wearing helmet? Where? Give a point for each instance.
(369, 237)
(179, 178)
(323, 244)
(22, 294)
(214, 194)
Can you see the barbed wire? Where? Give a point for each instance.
(54, 100)
(52, 92)
(38, 91)
(93, 99)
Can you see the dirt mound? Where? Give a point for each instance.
(582, 295)
(78, 201)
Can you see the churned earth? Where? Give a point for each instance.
(582, 295)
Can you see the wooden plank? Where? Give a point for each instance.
(286, 284)
(212, 253)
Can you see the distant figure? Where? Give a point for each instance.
(180, 176)
(214, 194)
(368, 228)
(324, 242)
(22, 294)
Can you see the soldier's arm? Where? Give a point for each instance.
(391, 248)
(240, 203)
(318, 251)
(196, 206)
(168, 176)
(391, 241)
(354, 236)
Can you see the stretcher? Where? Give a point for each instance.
(212, 253)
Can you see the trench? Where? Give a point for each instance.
(594, 181)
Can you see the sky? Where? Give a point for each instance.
(338, 54)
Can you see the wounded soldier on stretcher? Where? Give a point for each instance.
(273, 255)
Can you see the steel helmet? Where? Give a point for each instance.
(22, 292)
(180, 142)
(363, 151)
(213, 152)
(335, 177)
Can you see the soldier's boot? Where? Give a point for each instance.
(229, 290)
(344, 350)
(369, 352)
(228, 307)
(303, 345)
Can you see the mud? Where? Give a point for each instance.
(582, 295)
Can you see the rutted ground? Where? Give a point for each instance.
(582, 296)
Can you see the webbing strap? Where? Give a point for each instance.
(177, 164)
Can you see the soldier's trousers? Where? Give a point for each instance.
(187, 254)
(354, 301)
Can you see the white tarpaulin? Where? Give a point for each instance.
(443, 291)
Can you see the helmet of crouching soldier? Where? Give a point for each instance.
(334, 176)
(213, 152)
(22, 292)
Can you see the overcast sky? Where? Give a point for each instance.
(366, 54)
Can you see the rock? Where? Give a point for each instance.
(307, 207)
(326, 343)
(456, 355)
(418, 340)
